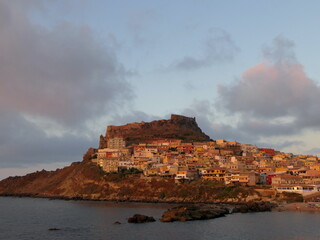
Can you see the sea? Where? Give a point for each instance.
(31, 218)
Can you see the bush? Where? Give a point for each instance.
(130, 171)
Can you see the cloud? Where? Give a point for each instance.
(23, 143)
(218, 48)
(275, 97)
(270, 90)
(282, 50)
(286, 144)
(201, 109)
(207, 119)
(270, 103)
(314, 151)
(63, 74)
(132, 116)
(54, 82)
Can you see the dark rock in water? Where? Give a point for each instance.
(138, 218)
(54, 229)
(117, 222)
(194, 212)
(253, 207)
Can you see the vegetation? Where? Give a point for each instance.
(125, 171)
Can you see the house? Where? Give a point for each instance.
(245, 178)
(311, 177)
(185, 175)
(151, 172)
(269, 151)
(297, 170)
(232, 177)
(214, 174)
(249, 178)
(116, 142)
(286, 179)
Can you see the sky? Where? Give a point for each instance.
(247, 70)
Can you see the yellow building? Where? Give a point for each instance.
(214, 174)
(281, 169)
(315, 167)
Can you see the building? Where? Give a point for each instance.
(269, 151)
(286, 179)
(214, 174)
(302, 189)
(244, 178)
(185, 175)
(110, 164)
(116, 142)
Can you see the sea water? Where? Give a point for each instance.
(31, 218)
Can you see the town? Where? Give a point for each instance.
(222, 161)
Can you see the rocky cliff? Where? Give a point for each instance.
(177, 127)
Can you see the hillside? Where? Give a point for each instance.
(84, 180)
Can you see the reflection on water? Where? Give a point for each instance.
(27, 218)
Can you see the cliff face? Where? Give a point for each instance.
(177, 127)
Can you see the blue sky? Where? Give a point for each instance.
(247, 70)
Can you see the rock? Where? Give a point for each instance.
(177, 127)
(253, 207)
(138, 218)
(117, 222)
(194, 212)
(54, 229)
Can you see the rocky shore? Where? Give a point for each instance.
(300, 207)
(210, 211)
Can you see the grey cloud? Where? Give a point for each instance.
(282, 50)
(274, 90)
(313, 151)
(283, 145)
(269, 91)
(274, 98)
(132, 116)
(244, 129)
(290, 144)
(218, 48)
(206, 118)
(64, 74)
(261, 128)
(23, 144)
(191, 63)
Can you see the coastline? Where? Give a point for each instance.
(80, 198)
(241, 206)
(299, 207)
(286, 207)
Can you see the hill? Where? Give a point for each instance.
(177, 127)
(85, 180)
